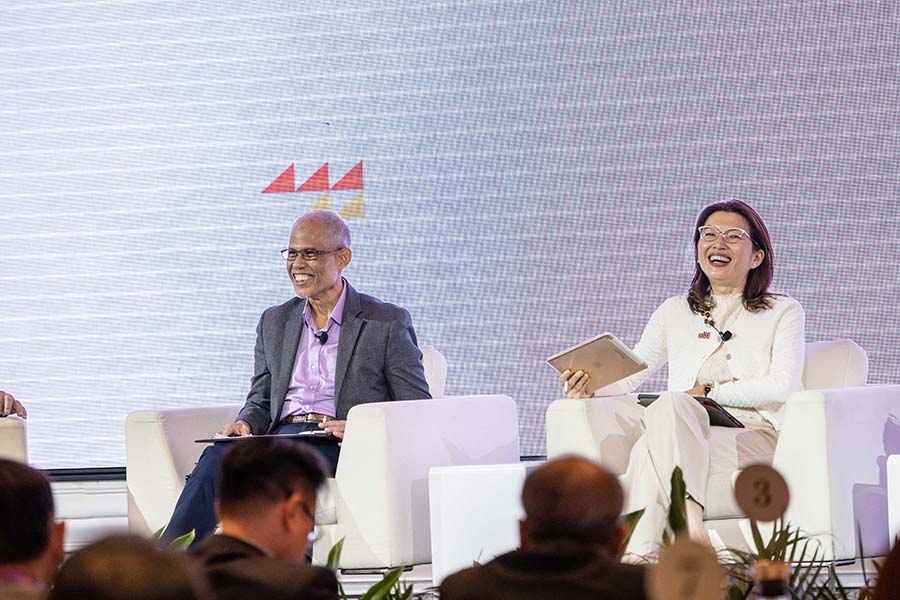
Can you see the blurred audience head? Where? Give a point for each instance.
(127, 568)
(267, 496)
(887, 586)
(572, 499)
(31, 543)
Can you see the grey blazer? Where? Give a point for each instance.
(377, 360)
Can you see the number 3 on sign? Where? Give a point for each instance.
(763, 498)
(761, 492)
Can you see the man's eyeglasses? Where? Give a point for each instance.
(732, 235)
(307, 254)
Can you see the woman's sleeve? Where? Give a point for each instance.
(785, 371)
(651, 348)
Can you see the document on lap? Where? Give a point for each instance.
(604, 357)
(718, 415)
(231, 438)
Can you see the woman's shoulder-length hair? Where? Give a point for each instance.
(756, 296)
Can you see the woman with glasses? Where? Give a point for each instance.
(729, 339)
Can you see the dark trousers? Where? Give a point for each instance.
(195, 509)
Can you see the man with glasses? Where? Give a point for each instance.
(317, 355)
(266, 503)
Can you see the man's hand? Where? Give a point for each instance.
(573, 384)
(335, 428)
(238, 428)
(10, 406)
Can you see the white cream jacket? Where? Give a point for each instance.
(767, 350)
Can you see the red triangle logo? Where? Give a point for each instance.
(352, 180)
(282, 183)
(318, 182)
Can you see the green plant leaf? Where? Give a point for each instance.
(804, 575)
(734, 592)
(183, 542)
(396, 593)
(792, 555)
(677, 511)
(629, 523)
(778, 545)
(380, 590)
(758, 541)
(868, 588)
(154, 537)
(334, 555)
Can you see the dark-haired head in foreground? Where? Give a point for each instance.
(572, 499)
(31, 544)
(267, 505)
(127, 568)
(268, 495)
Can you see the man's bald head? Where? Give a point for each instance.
(334, 227)
(575, 499)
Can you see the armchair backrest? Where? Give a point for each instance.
(834, 364)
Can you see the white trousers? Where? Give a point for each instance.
(645, 446)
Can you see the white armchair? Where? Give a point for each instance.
(381, 487)
(832, 451)
(160, 451)
(380, 491)
(12, 439)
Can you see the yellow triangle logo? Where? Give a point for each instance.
(323, 203)
(355, 209)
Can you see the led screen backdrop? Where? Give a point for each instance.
(520, 175)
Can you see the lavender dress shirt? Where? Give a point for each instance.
(312, 382)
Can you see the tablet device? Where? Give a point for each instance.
(604, 358)
(718, 416)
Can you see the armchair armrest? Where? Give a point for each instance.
(568, 431)
(12, 439)
(832, 451)
(381, 495)
(159, 453)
